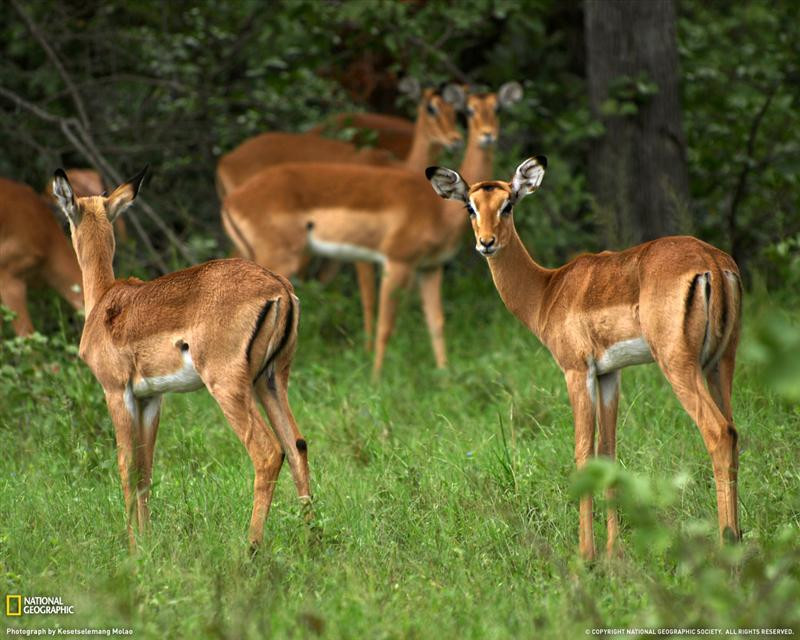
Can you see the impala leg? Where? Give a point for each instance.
(395, 276)
(719, 435)
(720, 381)
(273, 393)
(238, 406)
(328, 270)
(147, 430)
(123, 414)
(583, 410)
(14, 295)
(430, 289)
(608, 401)
(365, 271)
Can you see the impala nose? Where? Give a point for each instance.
(487, 243)
(455, 143)
(487, 139)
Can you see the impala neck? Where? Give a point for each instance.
(95, 257)
(423, 151)
(475, 167)
(478, 162)
(520, 282)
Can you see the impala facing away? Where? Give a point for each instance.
(361, 213)
(87, 182)
(32, 247)
(675, 300)
(181, 332)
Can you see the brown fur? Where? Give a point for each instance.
(387, 210)
(32, 248)
(394, 134)
(240, 341)
(595, 301)
(267, 149)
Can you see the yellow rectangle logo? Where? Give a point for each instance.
(10, 609)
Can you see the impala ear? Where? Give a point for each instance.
(123, 196)
(410, 86)
(65, 197)
(455, 95)
(508, 94)
(528, 177)
(448, 183)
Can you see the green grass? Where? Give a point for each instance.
(443, 500)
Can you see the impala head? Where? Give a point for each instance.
(90, 218)
(482, 109)
(436, 112)
(490, 203)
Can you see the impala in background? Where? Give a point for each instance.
(32, 247)
(362, 213)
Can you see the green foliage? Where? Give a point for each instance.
(724, 588)
(443, 500)
(740, 67)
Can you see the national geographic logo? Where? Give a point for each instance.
(19, 605)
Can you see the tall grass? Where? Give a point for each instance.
(445, 501)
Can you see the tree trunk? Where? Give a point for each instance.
(637, 170)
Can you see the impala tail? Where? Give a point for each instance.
(274, 337)
(714, 300)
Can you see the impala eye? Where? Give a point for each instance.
(431, 109)
(507, 209)
(470, 210)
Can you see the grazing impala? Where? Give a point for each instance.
(674, 300)
(32, 247)
(180, 332)
(361, 213)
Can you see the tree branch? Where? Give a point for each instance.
(34, 29)
(741, 182)
(442, 57)
(72, 130)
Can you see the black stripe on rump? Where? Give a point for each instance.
(284, 339)
(259, 321)
(689, 299)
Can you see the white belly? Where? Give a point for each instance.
(343, 251)
(624, 354)
(184, 379)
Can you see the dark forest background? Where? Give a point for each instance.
(656, 117)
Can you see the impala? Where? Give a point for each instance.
(360, 213)
(483, 130)
(32, 247)
(675, 301)
(392, 133)
(435, 127)
(181, 332)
